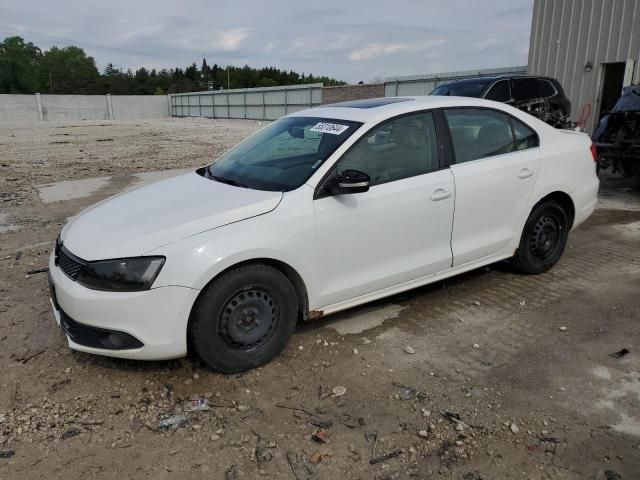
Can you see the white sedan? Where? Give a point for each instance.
(322, 210)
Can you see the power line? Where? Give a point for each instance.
(93, 46)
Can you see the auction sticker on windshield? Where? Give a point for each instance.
(332, 128)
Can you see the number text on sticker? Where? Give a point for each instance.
(332, 128)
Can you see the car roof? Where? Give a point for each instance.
(378, 109)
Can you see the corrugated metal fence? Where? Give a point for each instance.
(268, 103)
(424, 84)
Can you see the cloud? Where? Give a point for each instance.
(349, 40)
(374, 50)
(231, 40)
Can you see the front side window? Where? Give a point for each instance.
(282, 156)
(401, 148)
(500, 92)
(479, 133)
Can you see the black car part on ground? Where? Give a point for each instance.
(617, 136)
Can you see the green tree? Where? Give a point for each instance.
(110, 70)
(25, 69)
(267, 82)
(19, 66)
(69, 70)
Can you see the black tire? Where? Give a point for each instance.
(244, 318)
(544, 238)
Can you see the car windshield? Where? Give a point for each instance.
(467, 88)
(282, 156)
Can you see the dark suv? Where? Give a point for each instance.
(542, 97)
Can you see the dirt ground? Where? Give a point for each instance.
(511, 376)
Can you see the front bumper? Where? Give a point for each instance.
(156, 318)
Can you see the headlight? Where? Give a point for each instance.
(122, 274)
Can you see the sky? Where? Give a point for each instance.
(351, 40)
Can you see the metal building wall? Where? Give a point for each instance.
(424, 84)
(566, 34)
(268, 103)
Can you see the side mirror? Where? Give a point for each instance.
(296, 132)
(350, 181)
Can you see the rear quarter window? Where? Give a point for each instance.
(546, 89)
(524, 136)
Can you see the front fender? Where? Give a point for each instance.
(281, 235)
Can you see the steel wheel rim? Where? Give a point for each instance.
(249, 318)
(546, 236)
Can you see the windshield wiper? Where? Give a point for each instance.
(228, 181)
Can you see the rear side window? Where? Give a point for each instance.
(500, 92)
(525, 88)
(401, 148)
(525, 137)
(479, 133)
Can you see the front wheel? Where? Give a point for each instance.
(544, 238)
(244, 318)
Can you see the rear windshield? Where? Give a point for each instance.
(283, 155)
(463, 88)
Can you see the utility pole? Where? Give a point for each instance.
(50, 83)
(228, 79)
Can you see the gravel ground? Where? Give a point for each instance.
(491, 375)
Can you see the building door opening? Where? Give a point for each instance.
(612, 82)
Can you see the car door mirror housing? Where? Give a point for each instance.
(296, 132)
(349, 181)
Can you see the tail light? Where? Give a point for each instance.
(594, 152)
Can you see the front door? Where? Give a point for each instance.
(496, 164)
(400, 229)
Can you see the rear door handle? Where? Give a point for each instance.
(440, 194)
(525, 173)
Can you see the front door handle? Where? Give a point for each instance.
(440, 194)
(525, 173)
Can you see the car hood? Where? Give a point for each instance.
(137, 221)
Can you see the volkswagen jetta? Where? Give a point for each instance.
(322, 210)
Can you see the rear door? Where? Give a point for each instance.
(496, 164)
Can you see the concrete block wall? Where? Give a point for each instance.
(352, 92)
(26, 108)
(74, 107)
(18, 108)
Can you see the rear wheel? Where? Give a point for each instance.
(243, 318)
(544, 238)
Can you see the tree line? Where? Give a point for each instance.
(25, 68)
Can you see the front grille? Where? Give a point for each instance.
(69, 263)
